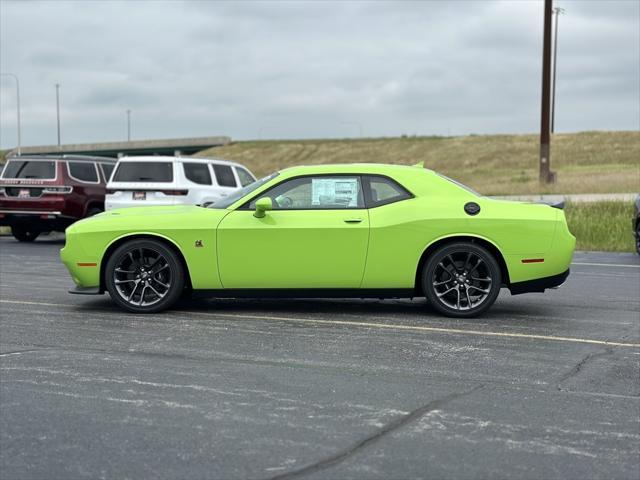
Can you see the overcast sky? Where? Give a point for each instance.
(304, 69)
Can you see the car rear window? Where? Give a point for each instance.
(83, 171)
(197, 173)
(160, 172)
(245, 177)
(224, 175)
(107, 169)
(38, 169)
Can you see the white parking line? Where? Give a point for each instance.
(605, 265)
(382, 326)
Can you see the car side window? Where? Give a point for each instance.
(383, 190)
(245, 177)
(83, 171)
(197, 173)
(318, 192)
(107, 170)
(224, 175)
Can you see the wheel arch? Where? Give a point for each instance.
(490, 246)
(168, 242)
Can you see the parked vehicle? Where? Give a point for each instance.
(635, 223)
(148, 181)
(44, 193)
(330, 231)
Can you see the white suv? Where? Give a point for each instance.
(143, 181)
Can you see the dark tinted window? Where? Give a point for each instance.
(383, 190)
(224, 175)
(197, 173)
(161, 172)
(245, 177)
(322, 192)
(107, 169)
(30, 169)
(83, 171)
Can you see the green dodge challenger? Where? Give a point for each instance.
(356, 231)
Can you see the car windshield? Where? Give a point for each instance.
(470, 190)
(238, 194)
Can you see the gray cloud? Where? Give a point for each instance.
(312, 69)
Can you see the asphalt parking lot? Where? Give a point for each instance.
(544, 386)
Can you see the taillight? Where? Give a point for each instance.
(176, 193)
(57, 190)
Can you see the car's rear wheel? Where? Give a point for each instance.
(144, 276)
(23, 234)
(461, 280)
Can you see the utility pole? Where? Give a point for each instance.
(546, 176)
(557, 11)
(58, 109)
(15, 77)
(128, 125)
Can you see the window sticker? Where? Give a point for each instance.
(334, 191)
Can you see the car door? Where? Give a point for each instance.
(316, 236)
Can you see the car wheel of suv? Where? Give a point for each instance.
(93, 211)
(23, 234)
(461, 280)
(144, 276)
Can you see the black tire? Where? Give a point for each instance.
(638, 237)
(461, 280)
(136, 261)
(23, 234)
(94, 211)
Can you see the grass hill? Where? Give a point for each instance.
(587, 162)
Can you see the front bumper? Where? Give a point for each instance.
(539, 284)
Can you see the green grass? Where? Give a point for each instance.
(601, 226)
(586, 162)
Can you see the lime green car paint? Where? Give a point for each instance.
(375, 248)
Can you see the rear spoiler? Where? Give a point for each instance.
(559, 205)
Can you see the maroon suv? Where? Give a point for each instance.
(44, 193)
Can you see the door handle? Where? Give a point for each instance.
(352, 220)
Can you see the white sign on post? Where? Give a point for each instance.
(340, 192)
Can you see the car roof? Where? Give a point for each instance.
(360, 168)
(167, 158)
(75, 158)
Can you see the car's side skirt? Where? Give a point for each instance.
(309, 293)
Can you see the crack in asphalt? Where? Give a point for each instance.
(18, 352)
(578, 366)
(392, 426)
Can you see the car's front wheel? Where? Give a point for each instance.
(144, 276)
(23, 234)
(461, 280)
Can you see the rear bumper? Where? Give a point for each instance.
(539, 284)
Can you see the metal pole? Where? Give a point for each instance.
(15, 77)
(545, 147)
(129, 126)
(58, 109)
(557, 11)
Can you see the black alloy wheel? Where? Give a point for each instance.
(144, 276)
(461, 280)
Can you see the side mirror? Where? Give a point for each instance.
(262, 205)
